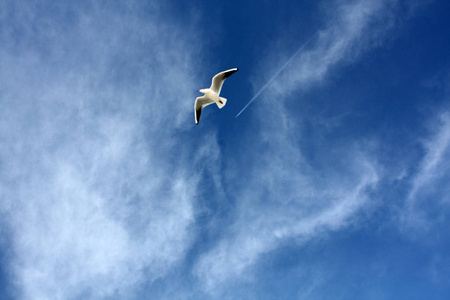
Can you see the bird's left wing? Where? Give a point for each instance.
(200, 102)
(218, 80)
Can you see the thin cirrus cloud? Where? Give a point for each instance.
(93, 204)
(352, 28)
(285, 194)
(429, 189)
(108, 193)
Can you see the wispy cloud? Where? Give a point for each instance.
(429, 189)
(90, 97)
(436, 152)
(289, 193)
(300, 185)
(353, 28)
(282, 199)
(105, 190)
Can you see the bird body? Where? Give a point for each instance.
(211, 95)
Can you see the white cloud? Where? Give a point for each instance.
(90, 102)
(280, 202)
(285, 192)
(100, 198)
(437, 148)
(352, 28)
(429, 188)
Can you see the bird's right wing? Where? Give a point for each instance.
(200, 102)
(218, 80)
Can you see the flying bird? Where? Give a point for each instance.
(212, 94)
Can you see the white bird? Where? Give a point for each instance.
(212, 94)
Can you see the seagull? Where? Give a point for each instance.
(212, 94)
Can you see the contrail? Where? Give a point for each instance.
(279, 71)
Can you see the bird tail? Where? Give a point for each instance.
(224, 101)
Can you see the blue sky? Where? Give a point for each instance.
(332, 184)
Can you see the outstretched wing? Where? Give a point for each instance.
(200, 102)
(218, 80)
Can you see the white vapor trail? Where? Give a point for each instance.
(281, 70)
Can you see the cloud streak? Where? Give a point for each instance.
(95, 205)
(287, 194)
(278, 73)
(356, 27)
(428, 192)
(106, 192)
(437, 150)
